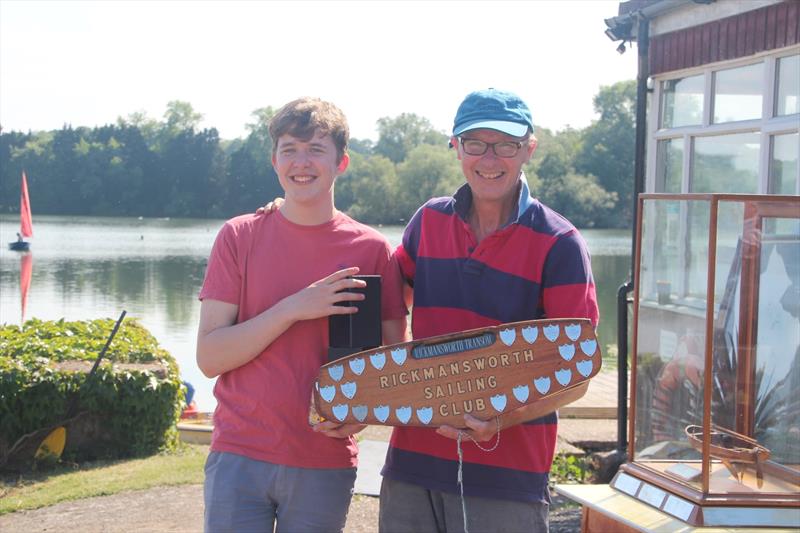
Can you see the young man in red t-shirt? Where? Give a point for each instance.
(270, 285)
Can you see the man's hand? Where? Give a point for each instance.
(274, 205)
(479, 430)
(338, 431)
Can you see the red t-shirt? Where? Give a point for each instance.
(257, 260)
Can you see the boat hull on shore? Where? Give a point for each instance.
(196, 429)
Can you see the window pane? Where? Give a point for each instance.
(671, 332)
(788, 85)
(738, 93)
(697, 250)
(755, 384)
(670, 165)
(777, 373)
(661, 282)
(783, 168)
(682, 102)
(729, 228)
(726, 163)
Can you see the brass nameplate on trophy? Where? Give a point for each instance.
(484, 372)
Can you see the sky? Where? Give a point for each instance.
(88, 63)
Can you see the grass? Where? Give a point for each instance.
(72, 482)
(100, 478)
(66, 482)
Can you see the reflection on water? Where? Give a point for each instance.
(90, 267)
(610, 271)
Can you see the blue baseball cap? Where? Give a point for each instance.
(495, 110)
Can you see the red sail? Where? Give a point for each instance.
(25, 226)
(25, 271)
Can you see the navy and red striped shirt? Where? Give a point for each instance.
(536, 266)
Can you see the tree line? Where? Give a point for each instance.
(171, 168)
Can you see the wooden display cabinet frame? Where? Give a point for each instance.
(756, 209)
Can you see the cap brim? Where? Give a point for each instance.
(510, 128)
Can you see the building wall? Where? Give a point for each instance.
(766, 28)
(694, 14)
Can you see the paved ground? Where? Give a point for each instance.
(180, 509)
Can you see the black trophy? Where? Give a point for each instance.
(362, 330)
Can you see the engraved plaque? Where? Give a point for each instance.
(484, 372)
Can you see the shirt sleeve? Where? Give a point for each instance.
(392, 304)
(223, 280)
(568, 284)
(406, 252)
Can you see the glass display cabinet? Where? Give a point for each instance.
(715, 377)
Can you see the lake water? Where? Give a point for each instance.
(92, 267)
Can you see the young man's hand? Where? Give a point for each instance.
(338, 431)
(320, 298)
(274, 205)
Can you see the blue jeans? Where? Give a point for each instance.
(245, 495)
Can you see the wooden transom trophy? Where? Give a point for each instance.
(485, 372)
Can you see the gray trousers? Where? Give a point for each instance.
(245, 495)
(407, 508)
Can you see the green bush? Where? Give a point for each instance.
(568, 468)
(127, 410)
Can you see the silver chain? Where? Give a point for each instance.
(461, 463)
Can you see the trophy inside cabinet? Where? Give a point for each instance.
(715, 386)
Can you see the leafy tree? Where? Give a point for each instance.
(143, 167)
(368, 190)
(59, 169)
(259, 130)
(579, 198)
(113, 170)
(136, 163)
(92, 167)
(555, 152)
(553, 178)
(361, 146)
(10, 171)
(147, 127)
(428, 171)
(608, 149)
(180, 116)
(190, 164)
(398, 136)
(250, 180)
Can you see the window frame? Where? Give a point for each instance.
(767, 126)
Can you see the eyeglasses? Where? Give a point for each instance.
(501, 149)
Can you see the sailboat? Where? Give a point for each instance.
(25, 225)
